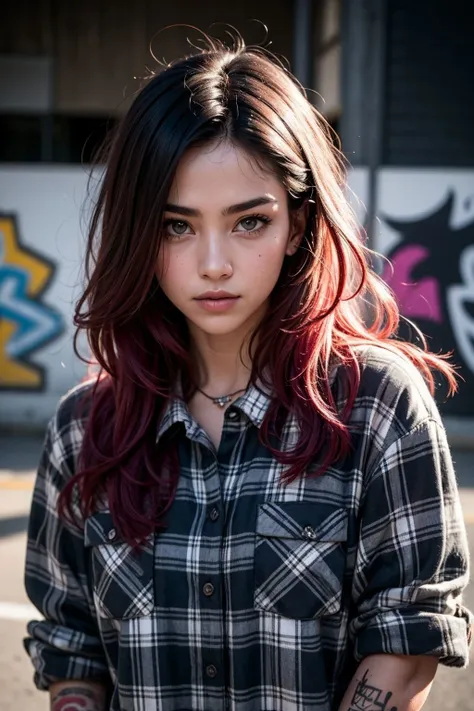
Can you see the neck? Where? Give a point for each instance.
(223, 362)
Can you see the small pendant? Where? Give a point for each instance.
(222, 401)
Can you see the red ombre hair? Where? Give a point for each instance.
(317, 314)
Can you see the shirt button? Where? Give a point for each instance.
(309, 532)
(112, 534)
(211, 671)
(214, 514)
(232, 414)
(208, 589)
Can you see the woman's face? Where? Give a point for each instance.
(227, 230)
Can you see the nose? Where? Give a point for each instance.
(214, 259)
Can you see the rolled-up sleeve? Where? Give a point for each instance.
(412, 560)
(65, 644)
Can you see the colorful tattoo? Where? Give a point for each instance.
(77, 698)
(370, 698)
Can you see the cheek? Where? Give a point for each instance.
(169, 272)
(269, 260)
(160, 270)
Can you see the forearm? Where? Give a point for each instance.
(78, 696)
(388, 682)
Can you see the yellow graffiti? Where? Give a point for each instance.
(15, 372)
(12, 373)
(38, 271)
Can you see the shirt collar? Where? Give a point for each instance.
(175, 411)
(254, 403)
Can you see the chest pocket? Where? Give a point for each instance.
(300, 559)
(123, 578)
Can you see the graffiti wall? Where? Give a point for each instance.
(426, 228)
(427, 231)
(40, 247)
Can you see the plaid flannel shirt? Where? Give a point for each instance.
(258, 596)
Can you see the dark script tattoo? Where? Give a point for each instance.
(370, 698)
(77, 698)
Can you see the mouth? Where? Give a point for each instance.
(217, 301)
(216, 294)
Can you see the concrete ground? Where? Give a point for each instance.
(453, 689)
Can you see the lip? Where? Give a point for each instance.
(218, 294)
(217, 301)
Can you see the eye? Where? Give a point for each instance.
(175, 228)
(251, 223)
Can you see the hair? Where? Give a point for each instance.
(318, 308)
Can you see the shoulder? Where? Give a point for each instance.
(73, 407)
(393, 397)
(393, 379)
(66, 427)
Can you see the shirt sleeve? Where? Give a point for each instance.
(65, 644)
(412, 560)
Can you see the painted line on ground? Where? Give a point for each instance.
(16, 485)
(19, 611)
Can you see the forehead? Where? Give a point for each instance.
(221, 174)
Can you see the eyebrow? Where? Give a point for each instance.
(232, 210)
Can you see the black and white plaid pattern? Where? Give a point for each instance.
(258, 596)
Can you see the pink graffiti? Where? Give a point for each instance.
(420, 299)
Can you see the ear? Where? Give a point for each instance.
(298, 222)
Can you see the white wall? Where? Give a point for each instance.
(48, 204)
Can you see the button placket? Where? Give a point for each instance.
(209, 592)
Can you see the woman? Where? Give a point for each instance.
(253, 507)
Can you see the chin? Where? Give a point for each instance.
(219, 329)
(218, 325)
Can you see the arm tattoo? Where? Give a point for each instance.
(370, 698)
(76, 698)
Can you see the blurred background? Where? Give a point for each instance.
(394, 78)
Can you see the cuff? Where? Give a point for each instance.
(413, 632)
(58, 654)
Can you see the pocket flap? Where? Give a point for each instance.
(99, 528)
(309, 521)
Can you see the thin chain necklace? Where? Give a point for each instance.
(222, 400)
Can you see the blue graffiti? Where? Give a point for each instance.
(36, 323)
